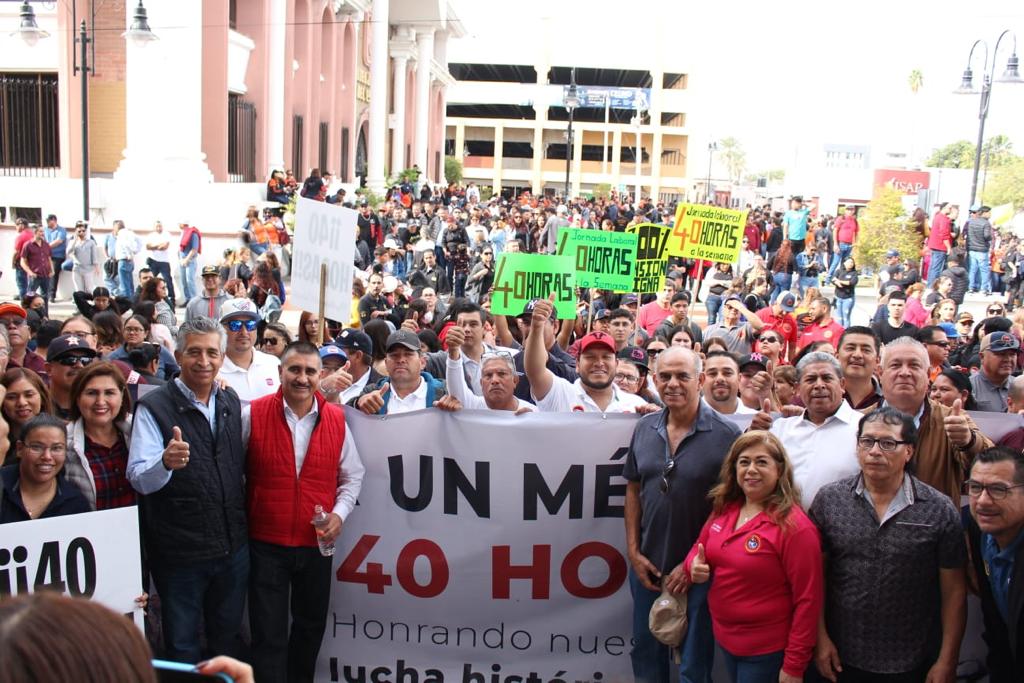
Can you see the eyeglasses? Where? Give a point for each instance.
(236, 325)
(995, 311)
(995, 491)
(270, 341)
(887, 445)
(39, 449)
(12, 322)
(941, 344)
(134, 329)
(622, 377)
(965, 322)
(653, 353)
(72, 361)
(665, 473)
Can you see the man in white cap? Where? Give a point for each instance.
(249, 372)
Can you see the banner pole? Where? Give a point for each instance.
(321, 324)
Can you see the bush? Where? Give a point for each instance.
(602, 191)
(884, 226)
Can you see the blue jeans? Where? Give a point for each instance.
(803, 282)
(125, 282)
(651, 659)
(845, 308)
(979, 273)
(780, 284)
(713, 304)
(936, 265)
(837, 259)
(187, 275)
(211, 594)
(754, 669)
(459, 286)
(21, 278)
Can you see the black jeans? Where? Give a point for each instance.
(57, 263)
(163, 269)
(283, 578)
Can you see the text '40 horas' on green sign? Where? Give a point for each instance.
(601, 258)
(708, 233)
(651, 257)
(522, 277)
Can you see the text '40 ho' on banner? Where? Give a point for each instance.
(522, 277)
(708, 233)
(602, 258)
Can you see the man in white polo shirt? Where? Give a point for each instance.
(251, 373)
(594, 391)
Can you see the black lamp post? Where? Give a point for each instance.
(139, 32)
(1011, 75)
(571, 101)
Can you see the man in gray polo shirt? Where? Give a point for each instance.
(991, 384)
(674, 459)
(895, 588)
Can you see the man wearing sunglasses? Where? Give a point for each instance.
(996, 536)
(673, 461)
(249, 372)
(66, 357)
(14, 319)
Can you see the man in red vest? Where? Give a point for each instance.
(299, 457)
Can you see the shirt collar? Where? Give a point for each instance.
(191, 395)
(289, 413)
(1006, 553)
(907, 490)
(986, 380)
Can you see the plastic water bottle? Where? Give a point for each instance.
(319, 522)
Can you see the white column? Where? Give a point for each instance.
(425, 54)
(378, 95)
(398, 105)
(276, 37)
(164, 140)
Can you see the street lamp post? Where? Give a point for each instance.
(1011, 75)
(712, 148)
(571, 101)
(30, 33)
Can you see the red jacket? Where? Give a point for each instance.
(280, 505)
(767, 587)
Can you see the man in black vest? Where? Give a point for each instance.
(187, 460)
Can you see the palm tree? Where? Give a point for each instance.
(733, 156)
(916, 80)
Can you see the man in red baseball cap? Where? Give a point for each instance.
(595, 390)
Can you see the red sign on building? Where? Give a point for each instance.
(908, 182)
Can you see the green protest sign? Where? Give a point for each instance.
(651, 257)
(522, 277)
(602, 258)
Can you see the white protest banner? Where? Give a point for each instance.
(485, 548)
(324, 233)
(93, 555)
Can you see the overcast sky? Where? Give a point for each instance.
(778, 74)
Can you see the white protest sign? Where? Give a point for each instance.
(93, 555)
(473, 552)
(324, 233)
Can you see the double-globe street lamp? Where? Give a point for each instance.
(571, 100)
(1011, 75)
(30, 33)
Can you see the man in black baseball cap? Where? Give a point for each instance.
(408, 387)
(65, 358)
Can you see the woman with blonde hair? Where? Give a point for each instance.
(765, 554)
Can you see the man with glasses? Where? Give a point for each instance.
(210, 300)
(251, 373)
(13, 318)
(991, 384)
(779, 317)
(65, 358)
(937, 343)
(481, 277)
(895, 589)
(995, 533)
(673, 461)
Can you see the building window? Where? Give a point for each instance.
(232, 14)
(297, 168)
(241, 140)
(343, 173)
(322, 144)
(29, 131)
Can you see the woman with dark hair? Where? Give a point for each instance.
(313, 185)
(25, 398)
(157, 332)
(429, 341)
(275, 271)
(950, 385)
(145, 360)
(109, 331)
(378, 331)
(136, 332)
(98, 437)
(274, 337)
(756, 297)
(968, 355)
(35, 487)
(757, 535)
(263, 290)
(155, 291)
(845, 281)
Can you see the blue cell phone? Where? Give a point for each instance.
(176, 672)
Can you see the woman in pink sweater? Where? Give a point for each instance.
(765, 556)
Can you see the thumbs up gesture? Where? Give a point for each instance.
(700, 571)
(763, 418)
(958, 429)
(176, 454)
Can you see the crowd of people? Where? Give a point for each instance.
(826, 540)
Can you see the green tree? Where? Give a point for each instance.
(1006, 185)
(453, 170)
(998, 151)
(883, 226)
(915, 80)
(959, 154)
(602, 191)
(733, 156)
